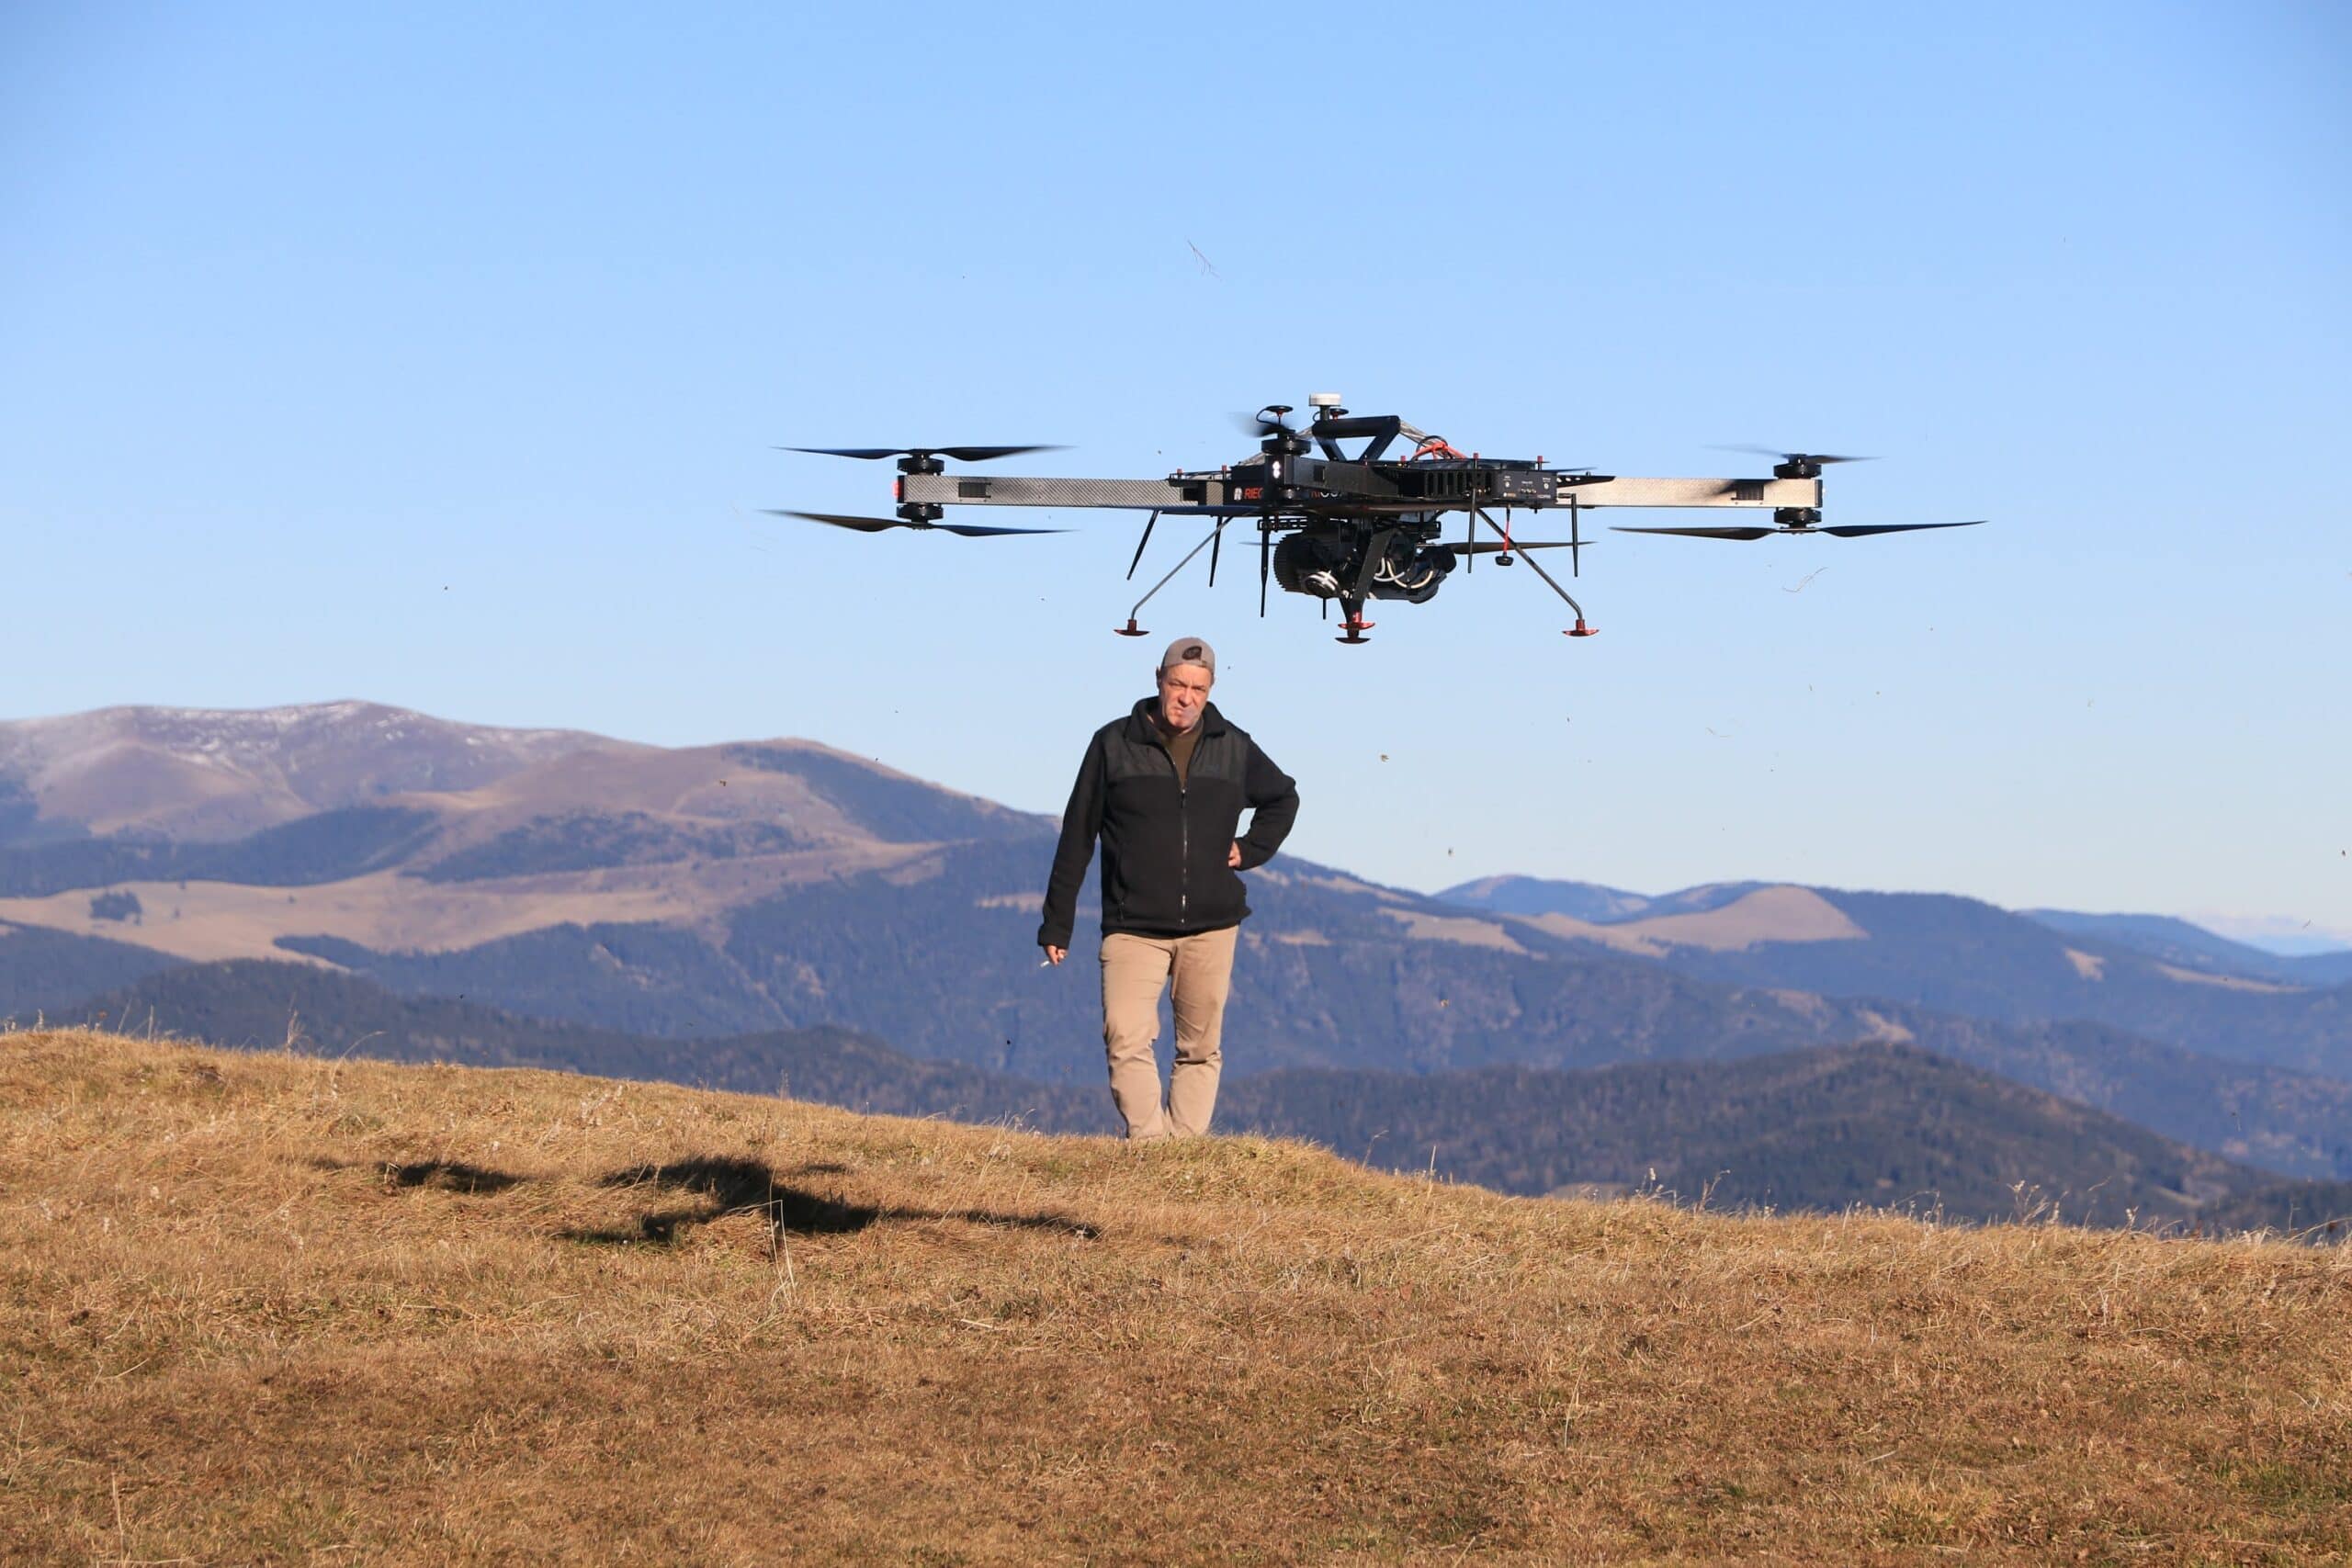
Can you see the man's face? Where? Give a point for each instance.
(1183, 692)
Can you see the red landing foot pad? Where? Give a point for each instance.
(1582, 630)
(1130, 629)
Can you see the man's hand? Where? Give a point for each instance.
(1233, 856)
(1056, 954)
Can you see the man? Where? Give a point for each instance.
(1164, 789)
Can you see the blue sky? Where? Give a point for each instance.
(436, 354)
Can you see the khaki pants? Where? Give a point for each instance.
(1136, 969)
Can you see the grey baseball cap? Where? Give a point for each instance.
(1189, 650)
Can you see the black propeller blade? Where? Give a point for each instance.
(877, 524)
(961, 454)
(1799, 457)
(863, 524)
(1703, 533)
(1856, 531)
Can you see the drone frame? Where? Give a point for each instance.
(1365, 503)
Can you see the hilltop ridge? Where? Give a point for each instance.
(206, 774)
(264, 1307)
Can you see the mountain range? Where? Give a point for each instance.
(767, 887)
(1962, 955)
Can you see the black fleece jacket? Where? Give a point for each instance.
(1164, 843)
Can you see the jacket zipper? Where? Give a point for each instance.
(1183, 848)
(1183, 837)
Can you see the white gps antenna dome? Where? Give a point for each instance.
(1322, 400)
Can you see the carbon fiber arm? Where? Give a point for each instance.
(1621, 492)
(994, 490)
(1238, 493)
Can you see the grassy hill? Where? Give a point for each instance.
(262, 1308)
(1819, 1129)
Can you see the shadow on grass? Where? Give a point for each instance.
(449, 1175)
(743, 1186)
(726, 1186)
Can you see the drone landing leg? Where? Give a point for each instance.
(1353, 627)
(1375, 550)
(1131, 629)
(1148, 524)
(1579, 629)
(1265, 563)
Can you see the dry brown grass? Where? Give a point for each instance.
(272, 1309)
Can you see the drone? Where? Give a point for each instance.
(1350, 527)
